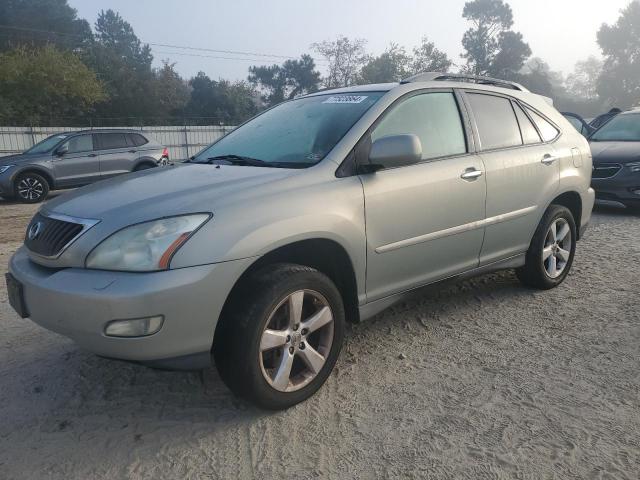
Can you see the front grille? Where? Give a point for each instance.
(48, 236)
(605, 170)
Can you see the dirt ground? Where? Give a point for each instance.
(495, 381)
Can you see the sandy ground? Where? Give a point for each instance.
(496, 381)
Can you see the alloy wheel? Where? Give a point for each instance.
(557, 248)
(30, 188)
(296, 341)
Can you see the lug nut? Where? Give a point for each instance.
(291, 350)
(295, 327)
(302, 346)
(288, 338)
(304, 331)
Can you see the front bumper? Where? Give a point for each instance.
(78, 303)
(619, 188)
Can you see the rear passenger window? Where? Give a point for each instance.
(548, 131)
(112, 140)
(433, 117)
(495, 120)
(529, 133)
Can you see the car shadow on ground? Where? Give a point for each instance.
(13, 201)
(616, 210)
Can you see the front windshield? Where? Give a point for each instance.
(47, 144)
(295, 134)
(623, 128)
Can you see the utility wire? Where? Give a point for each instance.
(181, 47)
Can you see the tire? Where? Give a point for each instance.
(252, 361)
(548, 250)
(30, 188)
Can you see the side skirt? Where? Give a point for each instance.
(371, 309)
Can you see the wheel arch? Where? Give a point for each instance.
(323, 254)
(152, 162)
(38, 170)
(571, 200)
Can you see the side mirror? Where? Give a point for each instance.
(395, 151)
(63, 150)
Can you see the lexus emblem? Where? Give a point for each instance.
(34, 231)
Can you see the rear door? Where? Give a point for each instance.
(522, 171)
(80, 165)
(116, 155)
(424, 221)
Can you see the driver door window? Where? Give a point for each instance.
(80, 143)
(433, 117)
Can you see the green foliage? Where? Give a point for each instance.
(619, 83)
(491, 48)
(427, 58)
(170, 91)
(391, 66)
(33, 18)
(36, 85)
(230, 102)
(284, 82)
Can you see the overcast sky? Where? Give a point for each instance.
(560, 31)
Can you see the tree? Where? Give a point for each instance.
(345, 56)
(123, 63)
(619, 83)
(427, 58)
(229, 102)
(284, 82)
(30, 23)
(40, 85)
(171, 91)
(583, 82)
(391, 66)
(491, 47)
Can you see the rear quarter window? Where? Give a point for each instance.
(136, 140)
(547, 130)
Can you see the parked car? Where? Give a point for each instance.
(600, 120)
(73, 159)
(616, 159)
(322, 210)
(579, 123)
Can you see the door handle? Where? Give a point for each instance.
(471, 174)
(92, 155)
(132, 151)
(548, 159)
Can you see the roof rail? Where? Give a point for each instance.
(462, 77)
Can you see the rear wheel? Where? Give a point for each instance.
(30, 188)
(279, 340)
(552, 249)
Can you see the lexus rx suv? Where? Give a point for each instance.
(322, 210)
(73, 159)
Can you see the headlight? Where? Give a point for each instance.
(4, 168)
(147, 246)
(634, 167)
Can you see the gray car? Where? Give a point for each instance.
(322, 210)
(73, 159)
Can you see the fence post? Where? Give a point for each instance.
(186, 139)
(33, 136)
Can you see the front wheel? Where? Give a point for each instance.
(552, 249)
(30, 188)
(280, 338)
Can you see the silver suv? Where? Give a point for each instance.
(73, 159)
(322, 210)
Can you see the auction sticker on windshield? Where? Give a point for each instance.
(346, 99)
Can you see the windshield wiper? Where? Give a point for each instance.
(240, 160)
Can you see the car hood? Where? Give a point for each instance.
(160, 192)
(21, 158)
(615, 152)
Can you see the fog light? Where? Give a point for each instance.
(138, 327)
